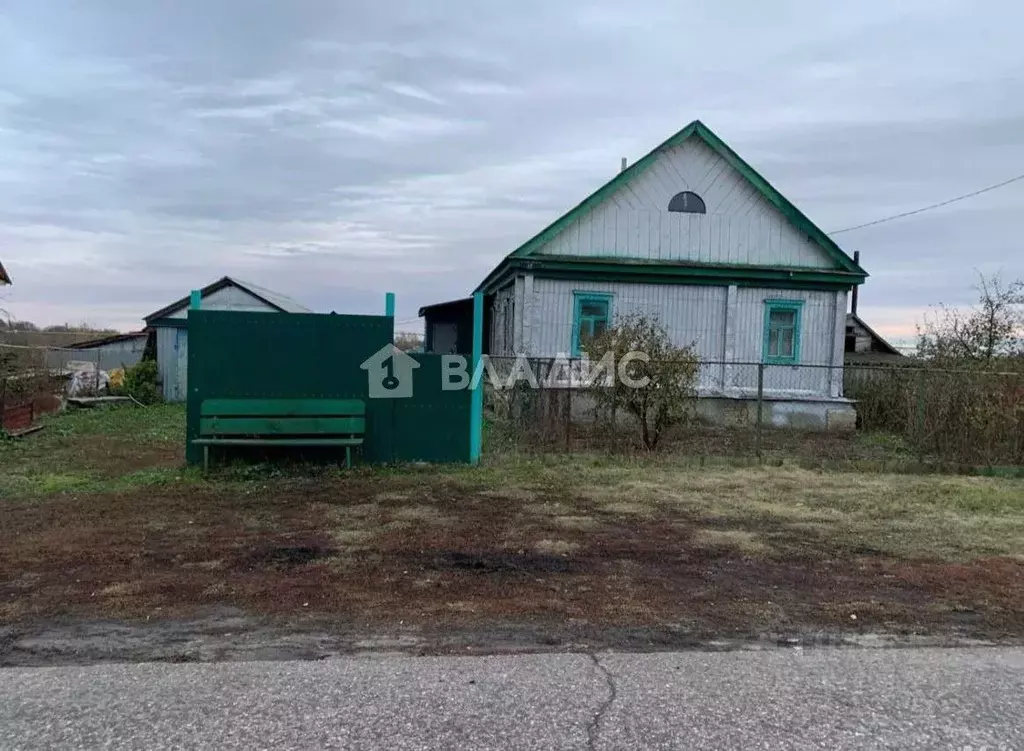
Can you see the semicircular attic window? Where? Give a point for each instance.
(687, 202)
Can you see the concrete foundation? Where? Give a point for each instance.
(796, 413)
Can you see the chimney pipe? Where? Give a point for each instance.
(853, 295)
(622, 168)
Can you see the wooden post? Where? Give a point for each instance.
(920, 415)
(760, 404)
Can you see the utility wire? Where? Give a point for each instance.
(929, 208)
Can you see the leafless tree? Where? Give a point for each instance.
(990, 330)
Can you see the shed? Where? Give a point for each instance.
(448, 327)
(108, 352)
(171, 325)
(864, 345)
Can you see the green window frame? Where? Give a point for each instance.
(591, 314)
(782, 332)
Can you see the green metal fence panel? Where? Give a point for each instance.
(432, 426)
(237, 355)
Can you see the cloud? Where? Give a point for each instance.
(336, 151)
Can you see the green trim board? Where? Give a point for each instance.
(652, 272)
(282, 407)
(476, 399)
(780, 327)
(696, 129)
(267, 426)
(580, 316)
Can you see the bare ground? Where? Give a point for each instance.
(515, 555)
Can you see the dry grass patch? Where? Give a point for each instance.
(555, 547)
(577, 522)
(422, 514)
(747, 543)
(630, 508)
(549, 508)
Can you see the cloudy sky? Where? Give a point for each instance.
(337, 149)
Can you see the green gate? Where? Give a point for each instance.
(296, 355)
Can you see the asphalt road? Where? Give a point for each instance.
(792, 699)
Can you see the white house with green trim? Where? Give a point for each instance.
(691, 234)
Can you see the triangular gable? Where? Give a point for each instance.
(4, 276)
(276, 301)
(696, 129)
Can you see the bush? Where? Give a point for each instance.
(658, 388)
(140, 383)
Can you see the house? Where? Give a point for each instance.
(691, 234)
(171, 325)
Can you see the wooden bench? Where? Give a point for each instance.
(281, 422)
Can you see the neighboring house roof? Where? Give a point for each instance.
(848, 271)
(878, 344)
(5, 278)
(112, 339)
(450, 304)
(275, 300)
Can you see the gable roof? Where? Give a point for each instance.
(699, 130)
(275, 300)
(5, 278)
(883, 346)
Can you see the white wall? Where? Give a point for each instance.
(741, 226)
(722, 323)
(228, 298)
(693, 315)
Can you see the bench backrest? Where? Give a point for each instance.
(282, 417)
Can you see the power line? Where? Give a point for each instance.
(929, 208)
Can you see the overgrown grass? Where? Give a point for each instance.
(159, 422)
(97, 450)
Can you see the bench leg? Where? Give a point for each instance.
(348, 457)
(206, 458)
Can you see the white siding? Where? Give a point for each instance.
(693, 315)
(724, 324)
(741, 226)
(228, 298)
(818, 341)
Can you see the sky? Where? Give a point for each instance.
(335, 150)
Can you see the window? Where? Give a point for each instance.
(591, 313)
(782, 332)
(687, 202)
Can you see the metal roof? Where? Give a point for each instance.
(276, 300)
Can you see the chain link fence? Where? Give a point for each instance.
(905, 412)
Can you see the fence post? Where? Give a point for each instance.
(568, 419)
(760, 403)
(919, 416)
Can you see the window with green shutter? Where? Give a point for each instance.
(782, 332)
